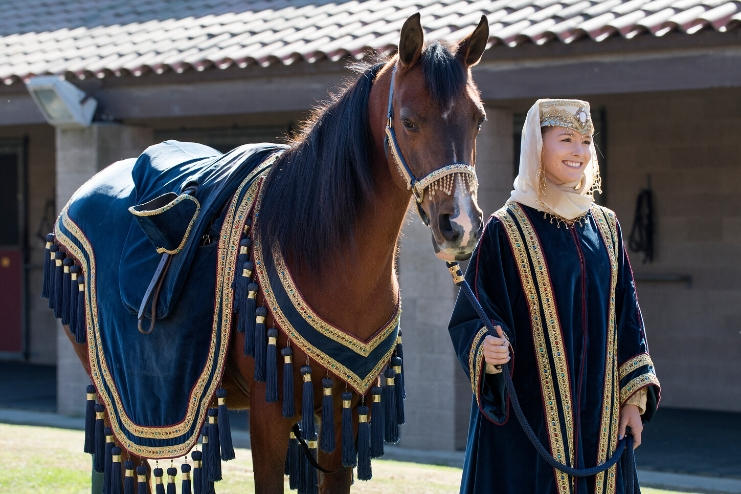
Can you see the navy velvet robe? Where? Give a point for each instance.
(499, 457)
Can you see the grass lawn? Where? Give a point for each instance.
(40, 460)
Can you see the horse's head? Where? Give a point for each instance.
(435, 113)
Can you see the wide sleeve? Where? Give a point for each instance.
(489, 274)
(636, 369)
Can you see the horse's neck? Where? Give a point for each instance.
(358, 291)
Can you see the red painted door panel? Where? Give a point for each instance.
(11, 303)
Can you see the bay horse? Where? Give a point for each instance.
(335, 204)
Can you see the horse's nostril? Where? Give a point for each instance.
(449, 233)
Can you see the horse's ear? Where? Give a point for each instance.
(472, 46)
(410, 43)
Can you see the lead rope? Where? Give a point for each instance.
(624, 448)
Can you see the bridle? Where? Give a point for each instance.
(418, 186)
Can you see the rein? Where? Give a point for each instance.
(418, 186)
(623, 452)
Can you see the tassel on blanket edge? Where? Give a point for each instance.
(74, 272)
(207, 486)
(212, 456)
(58, 283)
(108, 467)
(171, 474)
(129, 481)
(364, 456)
(271, 367)
(312, 475)
(53, 250)
(197, 458)
(400, 354)
(225, 429)
(289, 406)
(349, 455)
(377, 423)
(307, 404)
(396, 363)
(116, 484)
(247, 314)
(185, 486)
(99, 442)
(89, 446)
(159, 487)
(47, 266)
(293, 457)
(81, 318)
(66, 286)
(391, 434)
(141, 477)
(301, 470)
(240, 281)
(327, 442)
(261, 343)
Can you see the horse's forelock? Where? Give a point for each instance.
(445, 75)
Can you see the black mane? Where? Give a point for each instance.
(319, 186)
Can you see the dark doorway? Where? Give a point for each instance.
(12, 248)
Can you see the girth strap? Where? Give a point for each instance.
(297, 432)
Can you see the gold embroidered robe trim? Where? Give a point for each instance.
(511, 216)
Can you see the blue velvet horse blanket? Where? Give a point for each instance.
(182, 199)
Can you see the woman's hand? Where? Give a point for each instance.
(496, 350)
(630, 416)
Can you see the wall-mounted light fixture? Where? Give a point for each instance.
(61, 102)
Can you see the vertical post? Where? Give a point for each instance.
(80, 154)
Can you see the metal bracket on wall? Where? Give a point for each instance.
(665, 278)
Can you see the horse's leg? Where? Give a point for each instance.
(340, 481)
(269, 433)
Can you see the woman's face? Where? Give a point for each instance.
(565, 154)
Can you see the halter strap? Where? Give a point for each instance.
(418, 186)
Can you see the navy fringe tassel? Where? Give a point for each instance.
(312, 476)
(377, 426)
(247, 313)
(307, 404)
(66, 289)
(400, 354)
(293, 458)
(349, 455)
(171, 474)
(142, 484)
(90, 420)
(225, 428)
(81, 319)
(129, 482)
(389, 403)
(115, 485)
(261, 343)
(47, 266)
(327, 438)
(289, 406)
(213, 457)
(197, 458)
(72, 285)
(109, 445)
(240, 281)
(399, 388)
(159, 487)
(207, 485)
(99, 449)
(302, 478)
(59, 284)
(271, 367)
(185, 486)
(53, 251)
(364, 448)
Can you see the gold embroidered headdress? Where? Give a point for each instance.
(566, 202)
(570, 113)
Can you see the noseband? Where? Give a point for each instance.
(437, 179)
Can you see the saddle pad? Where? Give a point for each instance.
(156, 388)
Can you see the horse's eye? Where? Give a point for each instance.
(481, 122)
(408, 124)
